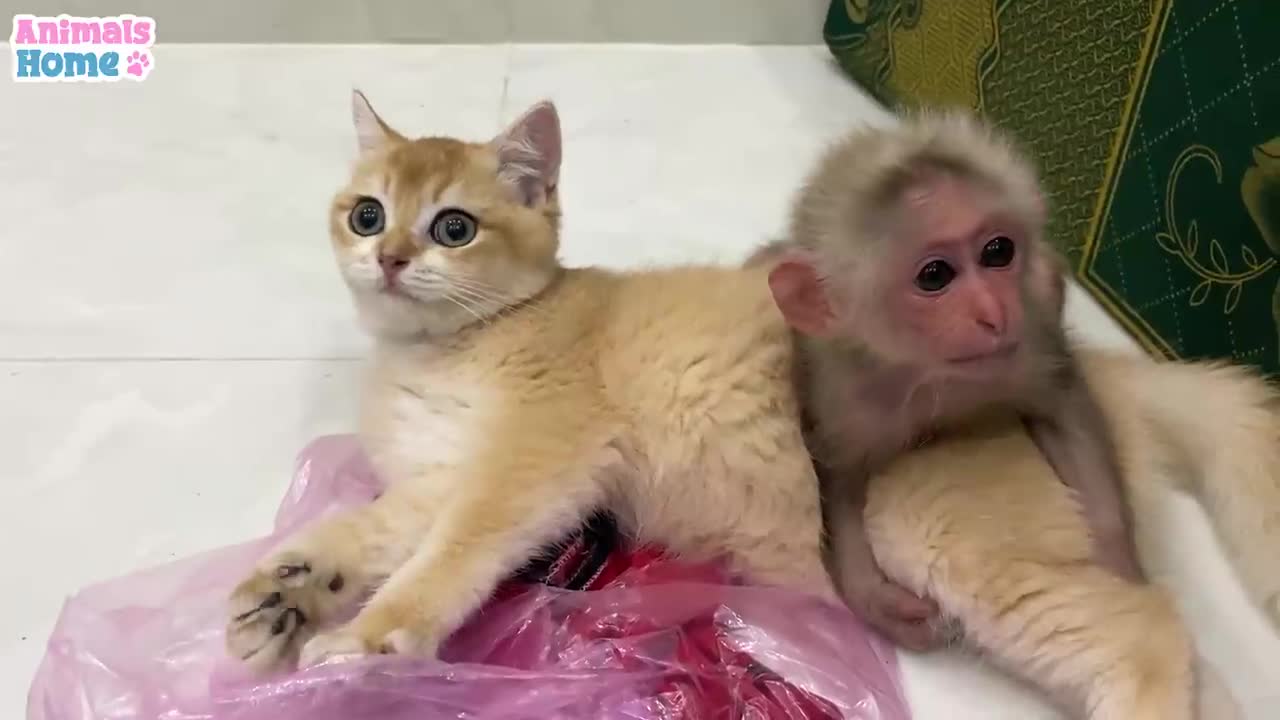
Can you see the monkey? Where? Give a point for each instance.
(921, 290)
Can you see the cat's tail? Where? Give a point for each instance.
(1214, 430)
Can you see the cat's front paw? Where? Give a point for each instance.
(339, 644)
(276, 609)
(349, 642)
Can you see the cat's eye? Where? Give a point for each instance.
(997, 253)
(935, 275)
(453, 228)
(367, 217)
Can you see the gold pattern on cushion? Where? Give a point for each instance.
(1260, 190)
(938, 54)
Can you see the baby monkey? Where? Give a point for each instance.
(922, 292)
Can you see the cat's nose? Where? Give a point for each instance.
(392, 265)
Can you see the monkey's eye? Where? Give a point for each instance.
(453, 228)
(934, 276)
(367, 217)
(997, 253)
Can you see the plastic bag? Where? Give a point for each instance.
(649, 638)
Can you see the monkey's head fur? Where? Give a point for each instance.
(922, 245)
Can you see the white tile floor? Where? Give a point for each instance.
(172, 331)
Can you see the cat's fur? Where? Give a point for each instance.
(965, 521)
(509, 396)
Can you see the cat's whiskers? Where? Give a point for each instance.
(470, 281)
(486, 306)
(481, 290)
(484, 320)
(491, 305)
(428, 285)
(488, 293)
(478, 292)
(482, 305)
(500, 302)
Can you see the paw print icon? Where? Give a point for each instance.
(138, 64)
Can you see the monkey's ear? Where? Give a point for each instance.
(797, 290)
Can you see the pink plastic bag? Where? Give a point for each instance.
(651, 638)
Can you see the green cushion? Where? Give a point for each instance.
(1156, 124)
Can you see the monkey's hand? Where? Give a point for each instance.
(895, 612)
(891, 609)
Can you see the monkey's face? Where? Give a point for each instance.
(955, 280)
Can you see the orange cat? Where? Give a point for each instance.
(978, 520)
(508, 396)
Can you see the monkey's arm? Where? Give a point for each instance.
(889, 608)
(1075, 438)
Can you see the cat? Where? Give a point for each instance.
(1024, 589)
(509, 396)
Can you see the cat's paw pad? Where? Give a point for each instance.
(137, 64)
(278, 607)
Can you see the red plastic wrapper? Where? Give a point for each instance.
(591, 629)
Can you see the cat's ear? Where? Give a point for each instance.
(529, 153)
(371, 132)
